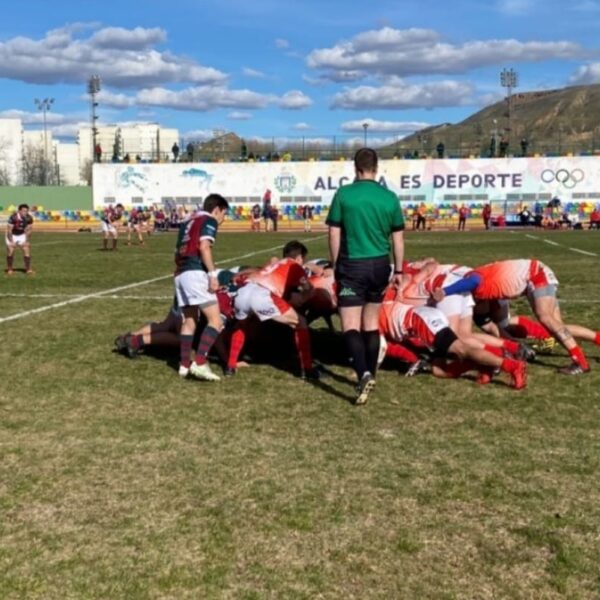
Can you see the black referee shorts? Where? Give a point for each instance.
(362, 281)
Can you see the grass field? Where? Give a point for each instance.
(119, 480)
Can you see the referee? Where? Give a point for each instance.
(362, 218)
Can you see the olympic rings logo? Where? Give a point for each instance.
(568, 179)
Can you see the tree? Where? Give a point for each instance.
(37, 169)
(86, 172)
(4, 171)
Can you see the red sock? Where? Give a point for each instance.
(597, 339)
(512, 347)
(494, 350)
(400, 352)
(207, 339)
(238, 339)
(137, 341)
(509, 364)
(27, 261)
(9, 261)
(533, 328)
(302, 339)
(579, 357)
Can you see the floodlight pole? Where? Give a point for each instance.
(93, 89)
(365, 127)
(509, 79)
(45, 105)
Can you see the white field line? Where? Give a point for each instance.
(553, 243)
(129, 286)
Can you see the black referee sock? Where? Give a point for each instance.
(371, 344)
(356, 349)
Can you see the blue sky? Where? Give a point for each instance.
(266, 68)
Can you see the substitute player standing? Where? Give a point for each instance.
(196, 285)
(362, 218)
(18, 232)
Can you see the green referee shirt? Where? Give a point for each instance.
(367, 214)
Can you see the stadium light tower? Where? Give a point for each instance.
(509, 79)
(365, 127)
(45, 105)
(93, 89)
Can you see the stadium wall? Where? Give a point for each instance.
(433, 181)
(47, 197)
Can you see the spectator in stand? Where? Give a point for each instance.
(98, 153)
(463, 211)
(175, 151)
(415, 217)
(440, 150)
(274, 217)
(421, 216)
(525, 215)
(266, 209)
(159, 219)
(486, 214)
(524, 146)
(306, 216)
(595, 219)
(503, 148)
(189, 150)
(255, 218)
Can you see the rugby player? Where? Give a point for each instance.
(196, 284)
(134, 225)
(18, 232)
(508, 279)
(266, 296)
(110, 221)
(399, 321)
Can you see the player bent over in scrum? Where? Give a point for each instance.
(266, 296)
(507, 279)
(399, 321)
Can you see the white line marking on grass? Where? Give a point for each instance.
(129, 286)
(583, 252)
(551, 242)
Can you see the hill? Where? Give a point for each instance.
(552, 122)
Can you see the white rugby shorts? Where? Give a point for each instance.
(253, 299)
(191, 289)
(17, 240)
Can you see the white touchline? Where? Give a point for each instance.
(78, 299)
(551, 242)
(583, 252)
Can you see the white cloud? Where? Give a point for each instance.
(302, 127)
(383, 126)
(107, 98)
(198, 135)
(238, 115)
(295, 100)
(254, 73)
(401, 95)
(402, 52)
(128, 39)
(586, 74)
(282, 43)
(123, 58)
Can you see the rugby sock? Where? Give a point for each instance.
(9, 262)
(512, 347)
(597, 339)
(533, 329)
(302, 339)
(238, 339)
(27, 261)
(207, 339)
(509, 365)
(185, 349)
(401, 352)
(579, 357)
(356, 349)
(371, 341)
(105, 243)
(494, 350)
(114, 244)
(137, 341)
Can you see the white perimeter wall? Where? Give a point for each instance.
(432, 181)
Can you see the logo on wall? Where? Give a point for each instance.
(203, 177)
(566, 178)
(285, 183)
(132, 178)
